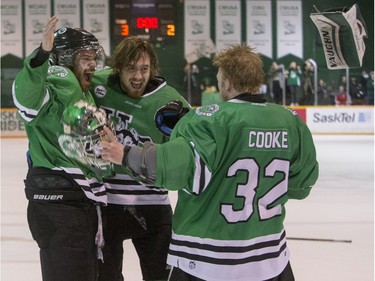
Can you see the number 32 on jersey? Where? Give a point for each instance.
(248, 190)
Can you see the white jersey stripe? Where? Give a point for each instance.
(28, 114)
(222, 260)
(92, 188)
(202, 175)
(122, 189)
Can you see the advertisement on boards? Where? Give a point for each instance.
(341, 120)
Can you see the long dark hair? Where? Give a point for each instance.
(128, 51)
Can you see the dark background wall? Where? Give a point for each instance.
(171, 56)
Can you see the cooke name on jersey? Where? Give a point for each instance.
(268, 139)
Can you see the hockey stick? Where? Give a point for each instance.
(319, 240)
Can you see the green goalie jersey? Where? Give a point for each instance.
(235, 165)
(135, 124)
(41, 94)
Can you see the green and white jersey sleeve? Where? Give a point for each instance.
(235, 165)
(41, 94)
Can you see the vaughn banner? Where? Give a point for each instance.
(342, 33)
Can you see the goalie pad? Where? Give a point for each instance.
(342, 33)
(168, 115)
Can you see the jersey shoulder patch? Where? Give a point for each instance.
(57, 71)
(100, 91)
(207, 110)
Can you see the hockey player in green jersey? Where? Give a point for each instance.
(64, 195)
(242, 160)
(132, 94)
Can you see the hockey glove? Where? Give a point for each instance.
(168, 115)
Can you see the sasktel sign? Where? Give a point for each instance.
(340, 120)
(327, 120)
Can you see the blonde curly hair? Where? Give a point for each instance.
(241, 65)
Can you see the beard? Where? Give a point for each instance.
(85, 81)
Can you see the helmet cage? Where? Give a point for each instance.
(83, 132)
(66, 57)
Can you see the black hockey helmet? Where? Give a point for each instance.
(70, 40)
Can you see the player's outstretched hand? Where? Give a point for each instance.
(111, 149)
(48, 33)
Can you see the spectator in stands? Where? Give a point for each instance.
(342, 97)
(356, 92)
(277, 79)
(362, 80)
(325, 96)
(294, 82)
(370, 88)
(192, 84)
(308, 85)
(343, 82)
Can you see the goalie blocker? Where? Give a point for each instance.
(342, 33)
(168, 115)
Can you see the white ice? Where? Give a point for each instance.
(339, 209)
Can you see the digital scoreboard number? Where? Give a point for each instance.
(154, 20)
(147, 23)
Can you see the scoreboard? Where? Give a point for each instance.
(153, 20)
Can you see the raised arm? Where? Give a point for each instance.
(48, 33)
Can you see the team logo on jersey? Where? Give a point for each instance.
(58, 71)
(129, 136)
(207, 110)
(100, 91)
(125, 134)
(192, 265)
(70, 146)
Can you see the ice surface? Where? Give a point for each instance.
(340, 207)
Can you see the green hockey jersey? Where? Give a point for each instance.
(41, 94)
(235, 165)
(135, 124)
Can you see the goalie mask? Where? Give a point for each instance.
(68, 41)
(83, 130)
